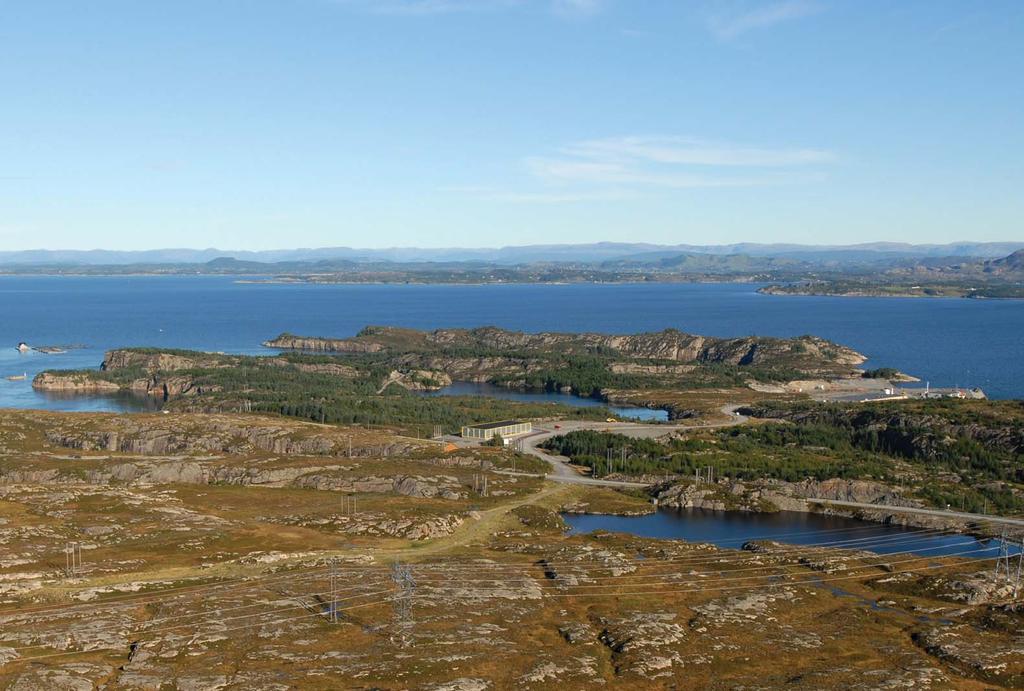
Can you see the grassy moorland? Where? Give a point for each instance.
(207, 540)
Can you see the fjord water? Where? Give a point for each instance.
(947, 341)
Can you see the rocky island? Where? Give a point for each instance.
(648, 369)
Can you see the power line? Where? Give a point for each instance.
(405, 587)
(221, 631)
(406, 582)
(730, 557)
(816, 580)
(713, 577)
(139, 598)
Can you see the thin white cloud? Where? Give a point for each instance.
(560, 198)
(578, 7)
(498, 195)
(425, 7)
(573, 172)
(435, 7)
(693, 151)
(628, 167)
(729, 25)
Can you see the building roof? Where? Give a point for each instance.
(494, 425)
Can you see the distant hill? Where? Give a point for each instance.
(1013, 263)
(637, 253)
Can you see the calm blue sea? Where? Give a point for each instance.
(947, 341)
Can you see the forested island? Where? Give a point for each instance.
(381, 368)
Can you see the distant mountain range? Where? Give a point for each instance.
(626, 253)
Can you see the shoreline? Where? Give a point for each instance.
(781, 293)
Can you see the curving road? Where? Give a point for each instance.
(561, 471)
(974, 517)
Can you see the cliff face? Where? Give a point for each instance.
(806, 351)
(164, 361)
(156, 385)
(72, 382)
(777, 495)
(312, 344)
(125, 436)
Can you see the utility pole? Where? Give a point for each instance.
(1020, 567)
(1003, 562)
(405, 586)
(334, 576)
(350, 446)
(480, 484)
(72, 559)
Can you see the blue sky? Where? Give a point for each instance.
(257, 124)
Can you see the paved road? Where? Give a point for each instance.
(1016, 522)
(561, 471)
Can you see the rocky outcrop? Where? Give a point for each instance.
(330, 369)
(169, 387)
(776, 495)
(153, 379)
(978, 588)
(416, 380)
(644, 644)
(162, 442)
(665, 345)
(171, 435)
(325, 477)
(168, 374)
(73, 382)
(977, 653)
(474, 369)
(640, 368)
(313, 344)
(161, 361)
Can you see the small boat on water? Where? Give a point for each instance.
(23, 347)
(18, 377)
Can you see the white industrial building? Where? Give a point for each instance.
(505, 428)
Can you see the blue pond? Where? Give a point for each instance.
(492, 391)
(730, 529)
